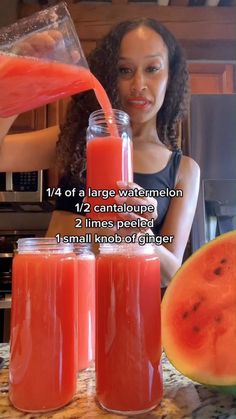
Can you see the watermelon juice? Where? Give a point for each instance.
(86, 310)
(27, 83)
(108, 160)
(128, 336)
(43, 364)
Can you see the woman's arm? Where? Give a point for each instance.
(27, 151)
(179, 218)
(5, 125)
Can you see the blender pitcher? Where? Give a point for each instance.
(41, 61)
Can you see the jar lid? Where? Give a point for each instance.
(127, 248)
(42, 244)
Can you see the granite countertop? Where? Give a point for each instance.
(183, 399)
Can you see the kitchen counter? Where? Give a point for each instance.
(183, 399)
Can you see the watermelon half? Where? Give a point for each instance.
(199, 315)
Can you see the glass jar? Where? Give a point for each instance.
(43, 363)
(86, 304)
(128, 328)
(109, 159)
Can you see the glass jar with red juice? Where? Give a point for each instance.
(86, 304)
(43, 343)
(128, 328)
(109, 159)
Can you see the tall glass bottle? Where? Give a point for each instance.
(128, 328)
(109, 158)
(43, 363)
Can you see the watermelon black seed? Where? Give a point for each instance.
(223, 261)
(185, 314)
(196, 329)
(196, 305)
(218, 271)
(218, 318)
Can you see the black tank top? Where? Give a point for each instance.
(162, 180)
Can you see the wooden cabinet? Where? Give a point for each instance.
(30, 121)
(208, 78)
(56, 112)
(36, 119)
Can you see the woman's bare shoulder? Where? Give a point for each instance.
(188, 168)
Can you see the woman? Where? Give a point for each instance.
(143, 71)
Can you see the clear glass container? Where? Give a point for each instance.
(86, 305)
(43, 343)
(128, 328)
(109, 159)
(41, 59)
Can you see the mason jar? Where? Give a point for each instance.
(86, 304)
(109, 159)
(43, 342)
(128, 328)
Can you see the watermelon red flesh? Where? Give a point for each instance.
(199, 314)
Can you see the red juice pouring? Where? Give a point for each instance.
(128, 331)
(41, 61)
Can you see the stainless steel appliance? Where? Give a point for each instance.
(213, 146)
(16, 220)
(8, 241)
(21, 186)
(7, 250)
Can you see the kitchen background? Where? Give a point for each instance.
(206, 29)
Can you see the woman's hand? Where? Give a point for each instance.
(148, 210)
(47, 45)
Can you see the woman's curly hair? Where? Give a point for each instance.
(103, 63)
